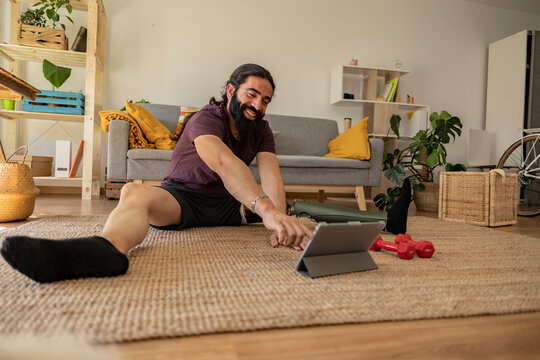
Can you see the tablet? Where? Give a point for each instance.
(339, 248)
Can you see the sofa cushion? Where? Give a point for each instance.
(149, 154)
(352, 144)
(302, 135)
(167, 115)
(299, 161)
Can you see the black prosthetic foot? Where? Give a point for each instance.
(397, 215)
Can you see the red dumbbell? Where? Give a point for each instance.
(404, 250)
(424, 249)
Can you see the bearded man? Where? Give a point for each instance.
(208, 184)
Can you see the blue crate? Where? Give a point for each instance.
(65, 103)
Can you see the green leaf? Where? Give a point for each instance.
(433, 118)
(394, 124)
(445, 115)
(380, 201)
(57, 75)
(63, 26)
(419, 187)
(67, 17)
(432, 159)
(69, 8)
(395, 174)
(50, 13)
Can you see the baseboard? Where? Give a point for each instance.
(65, 190)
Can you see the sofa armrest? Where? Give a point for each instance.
(117, 150)
(376, 151)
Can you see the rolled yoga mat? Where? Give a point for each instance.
(333, 213)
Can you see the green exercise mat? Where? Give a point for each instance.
(333, 213)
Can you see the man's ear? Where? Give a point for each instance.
(230, 91)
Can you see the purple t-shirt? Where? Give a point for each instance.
(189, 169)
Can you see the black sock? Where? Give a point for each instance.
(52, 260)
(397, 215)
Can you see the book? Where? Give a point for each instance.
(79, 44)
(77, 159)
(390, 88)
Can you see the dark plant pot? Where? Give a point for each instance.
(427, 200)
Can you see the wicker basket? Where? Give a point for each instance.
(480, 198)
(17, 190)
(428, 199)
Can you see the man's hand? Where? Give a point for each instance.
(288, 230)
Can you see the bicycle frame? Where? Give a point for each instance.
(527, 170)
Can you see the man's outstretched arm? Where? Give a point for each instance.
(241, 184)
(271, 181)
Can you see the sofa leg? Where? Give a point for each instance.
(360, 198)
(321, 196)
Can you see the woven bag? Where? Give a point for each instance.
(17, 189)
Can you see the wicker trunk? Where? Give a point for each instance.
(480, 198)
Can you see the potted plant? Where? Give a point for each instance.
(33, 22)
(56, 101)
(419, 160)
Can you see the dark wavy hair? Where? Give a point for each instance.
(239, 76)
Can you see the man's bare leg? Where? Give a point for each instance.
(47, 260)
(139, 206)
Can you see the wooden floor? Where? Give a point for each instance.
(484, 337)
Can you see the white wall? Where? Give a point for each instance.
(182, 52)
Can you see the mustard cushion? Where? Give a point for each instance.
(152, 129)
(136, 137)
(352, 144)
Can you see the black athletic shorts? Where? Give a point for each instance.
(200, 209)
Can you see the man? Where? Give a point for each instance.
(208, 184)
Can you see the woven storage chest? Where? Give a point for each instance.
(480, 198)
(39, 165)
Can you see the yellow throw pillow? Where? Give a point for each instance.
(136, 137)
(352, 144)
(152, 129)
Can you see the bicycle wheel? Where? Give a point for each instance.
(523, 158)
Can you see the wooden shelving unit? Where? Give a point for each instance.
(362, 83)
(17, 114)
(93, 62)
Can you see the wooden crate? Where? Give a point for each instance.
(113, 188)
(480, 198)
(59, 102)
(43, 37)
(39, 165)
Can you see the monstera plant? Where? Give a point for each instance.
(420, 158)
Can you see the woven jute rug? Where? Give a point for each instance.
(209, 280)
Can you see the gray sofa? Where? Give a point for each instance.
(301, 143)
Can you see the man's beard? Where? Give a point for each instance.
(243, 124)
